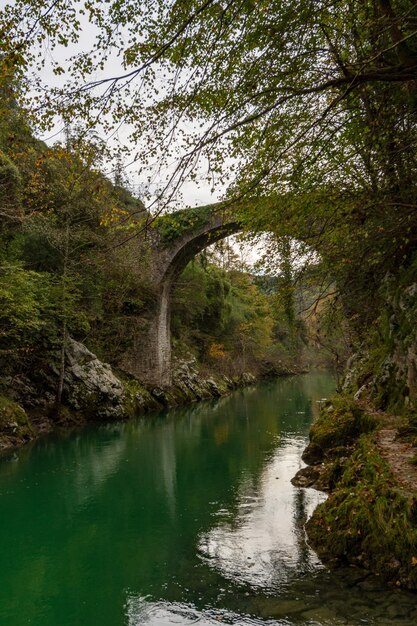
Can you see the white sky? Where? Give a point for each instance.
(192, 193)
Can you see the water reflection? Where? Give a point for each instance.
(263, 545)
(141, 611)
(183, 518)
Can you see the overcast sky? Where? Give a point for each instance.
(192, 193)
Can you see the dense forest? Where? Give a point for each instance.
(67, 271)
(304, 114)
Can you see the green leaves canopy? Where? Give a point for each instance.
(306, 108)
(287, 90)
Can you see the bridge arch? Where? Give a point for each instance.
(150, 360)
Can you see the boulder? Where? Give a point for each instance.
(15, 425)
(90, 385)
(313, 454)
(306, 477)
(188, 382)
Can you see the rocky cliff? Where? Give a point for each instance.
(363, 448)
(384, 370)
(93, 391)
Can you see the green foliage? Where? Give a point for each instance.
(368, 520)
(60, 272)
(173, 225)
(252, 315)
(319, 143)
(118, 294)
(339, 423)
(31, 312)
(10, 188)
(23, 297)
(328, 334)
(14, 422)
(200, 306)
(384, 369)
(225, 319)
(128, 202)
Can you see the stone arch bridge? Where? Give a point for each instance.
(175, 240)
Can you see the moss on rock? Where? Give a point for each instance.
(15, 426)
(137, 399)
(368, 520)
(339, 423)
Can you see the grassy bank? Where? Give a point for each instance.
(369, 519)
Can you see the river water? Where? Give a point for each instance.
(187, 517)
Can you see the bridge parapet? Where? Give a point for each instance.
(184, 234)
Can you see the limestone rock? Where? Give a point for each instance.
(90, 385)
(248, 378)
(21, 390)
(164, 397)
(188, 382)
(213, 388)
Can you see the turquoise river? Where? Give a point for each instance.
(187, 517)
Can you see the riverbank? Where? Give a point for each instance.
(93, 392)
(366, 461)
